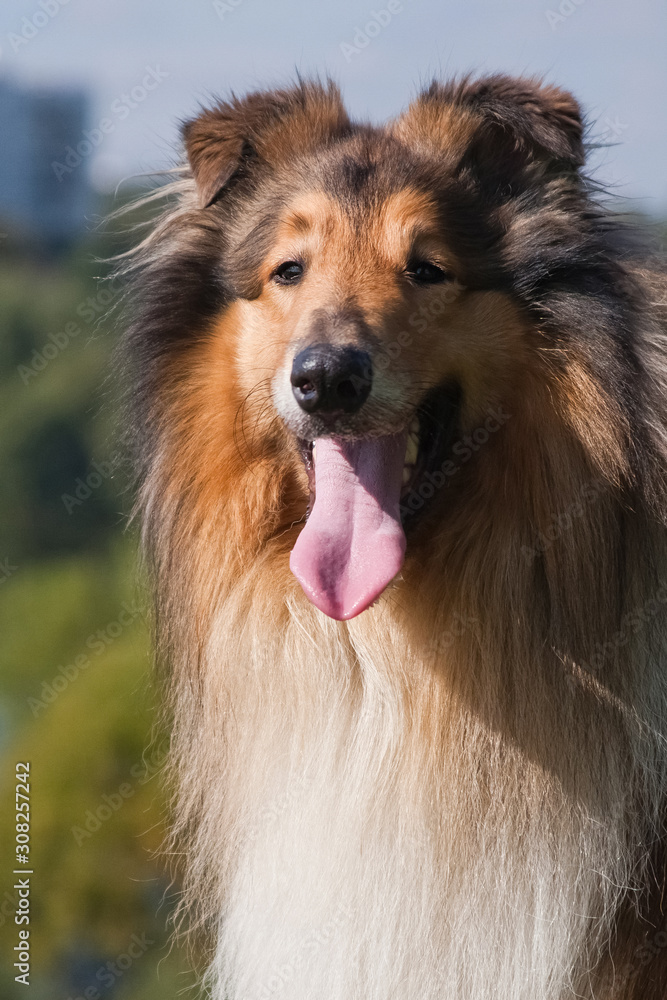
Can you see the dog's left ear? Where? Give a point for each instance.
(513, 117)
(263, 129)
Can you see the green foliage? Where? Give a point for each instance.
(76, 698)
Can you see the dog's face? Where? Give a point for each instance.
(342, 286)
(368, 302)
(360, 313)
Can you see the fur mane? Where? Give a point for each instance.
(488, 741)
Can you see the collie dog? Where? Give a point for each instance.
(400, 418)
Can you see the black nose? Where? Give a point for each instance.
(330, 379)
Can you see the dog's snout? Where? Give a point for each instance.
(330, 379)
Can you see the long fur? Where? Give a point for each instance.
(461, 792)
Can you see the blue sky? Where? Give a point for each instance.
(611, 53)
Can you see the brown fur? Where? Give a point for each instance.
(502, 711)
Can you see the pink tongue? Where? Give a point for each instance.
(352, 544)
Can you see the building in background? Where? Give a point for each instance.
(38, 128)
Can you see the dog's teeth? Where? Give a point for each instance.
(414, 426)
(407, 474)
(412, 449)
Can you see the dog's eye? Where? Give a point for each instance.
(288, 272)
(424, 273)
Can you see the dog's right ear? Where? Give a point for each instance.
(268, 127)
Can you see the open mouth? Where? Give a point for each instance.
(353, 543)
(429, 438)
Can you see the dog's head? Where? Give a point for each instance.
(373, 293)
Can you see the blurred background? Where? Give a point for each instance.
(91, 95)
